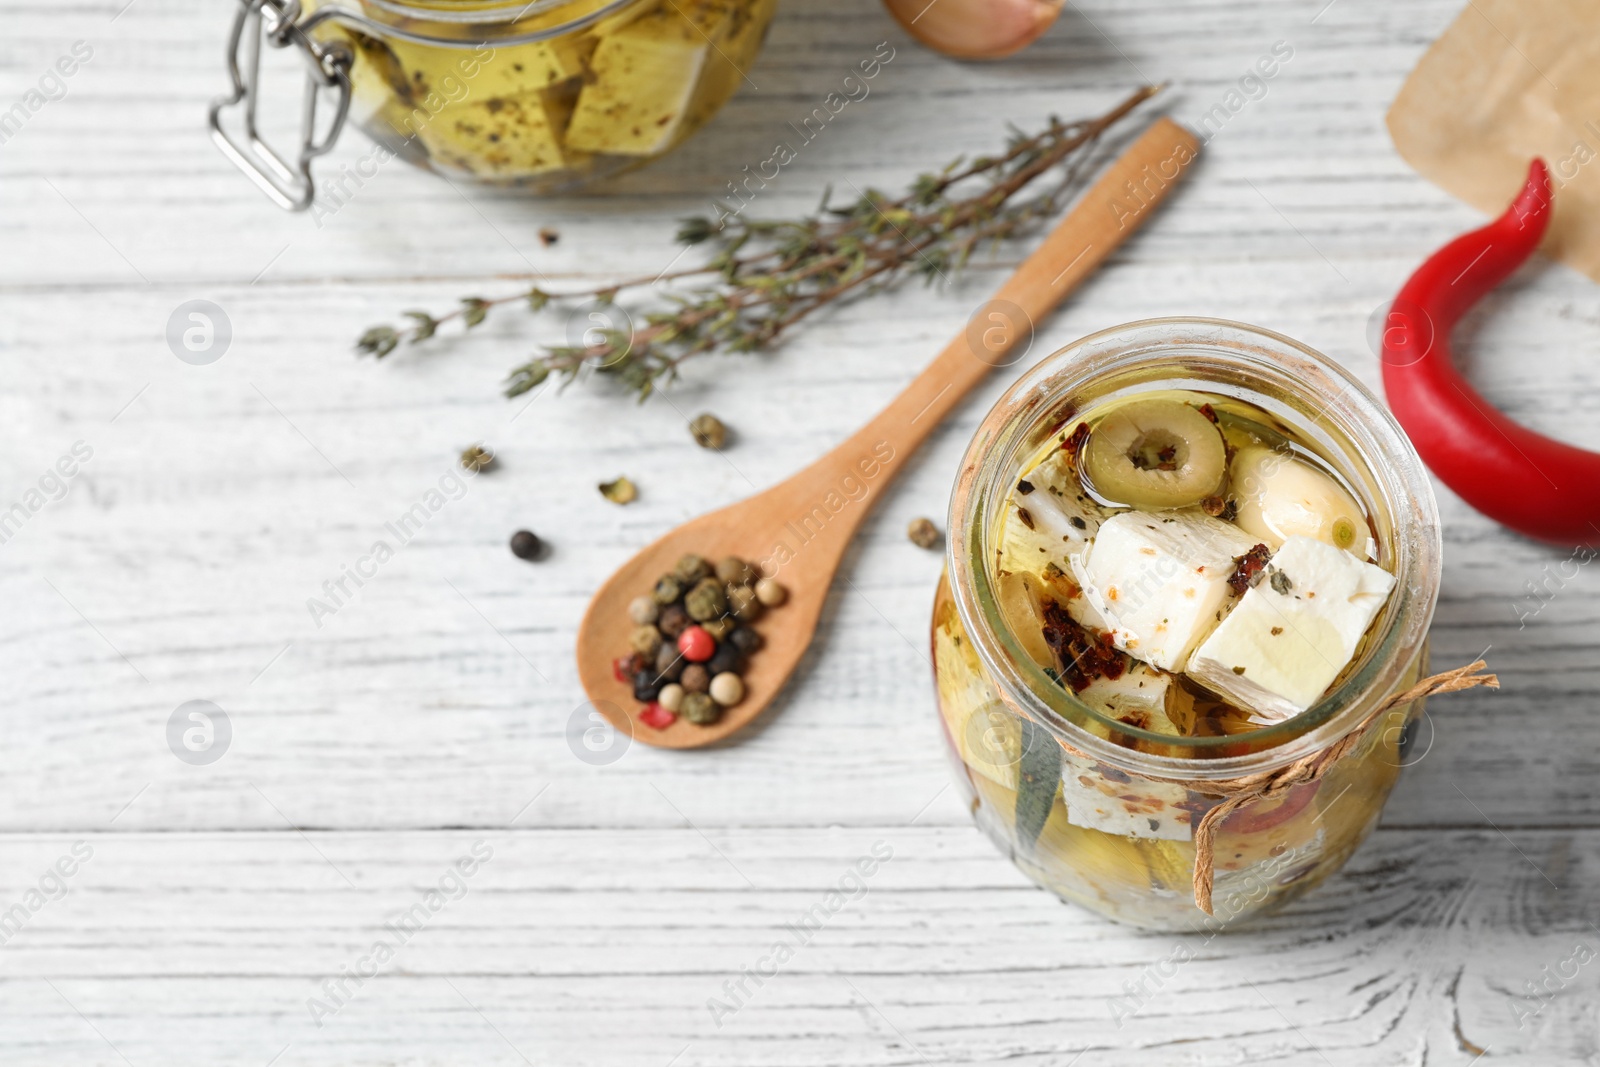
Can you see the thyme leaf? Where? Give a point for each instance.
(763, 277)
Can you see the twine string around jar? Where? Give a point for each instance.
(1268, 785)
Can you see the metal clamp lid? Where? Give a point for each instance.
(328, 67)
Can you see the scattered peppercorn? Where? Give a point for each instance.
(708, 431)
(619, 491)
(924, 534)
(477, 459)
(671, 697)
(525, 544)
(547, 236)
(695, 678)
(770, 593)
(719, 628)
(667, 590)
(700, 709)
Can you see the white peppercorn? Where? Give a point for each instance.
(643, 610)
(727, 689)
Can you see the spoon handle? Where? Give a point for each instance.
(1001, 331)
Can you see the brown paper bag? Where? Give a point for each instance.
(1510, 80)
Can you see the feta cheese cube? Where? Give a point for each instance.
(645, 77)
(1293, 632)
(1095, 800)
(1052, 520)
(1160, 581)
(1139, 688)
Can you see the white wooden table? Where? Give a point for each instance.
(429, 716)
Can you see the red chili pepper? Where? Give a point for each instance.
(1534, 484)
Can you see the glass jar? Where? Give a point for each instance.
(1116, 832)
(542, 94)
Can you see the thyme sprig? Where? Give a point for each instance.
(766, 276)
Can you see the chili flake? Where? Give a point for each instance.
(1247, 568)
(1083, 657)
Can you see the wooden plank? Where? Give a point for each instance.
(208, 947)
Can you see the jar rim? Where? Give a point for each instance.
(1155, 348)
(465, 23)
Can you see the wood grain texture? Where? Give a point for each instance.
(434, 707)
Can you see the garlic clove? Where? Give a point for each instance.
(975, 29)
(1280, 496)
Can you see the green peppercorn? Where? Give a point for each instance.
(706, 601)
(691, 569)
(744, 603)
(923, 533)
(700, 709)
(719, 628)
(477, 459)
(645, 640)
(708, 431)
(667, 590)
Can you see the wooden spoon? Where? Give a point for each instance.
(798, 530)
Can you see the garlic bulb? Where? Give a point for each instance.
(975, 29)
(1280, 496)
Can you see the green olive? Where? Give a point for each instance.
(1155, 454)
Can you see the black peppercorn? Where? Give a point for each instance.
(647, 685)
(745, 640)
(525, 544)
(673, 621)
(670, 663)
(695, 678)
(726, 658)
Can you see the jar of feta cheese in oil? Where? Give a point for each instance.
(1129, 622)
(542, 94)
